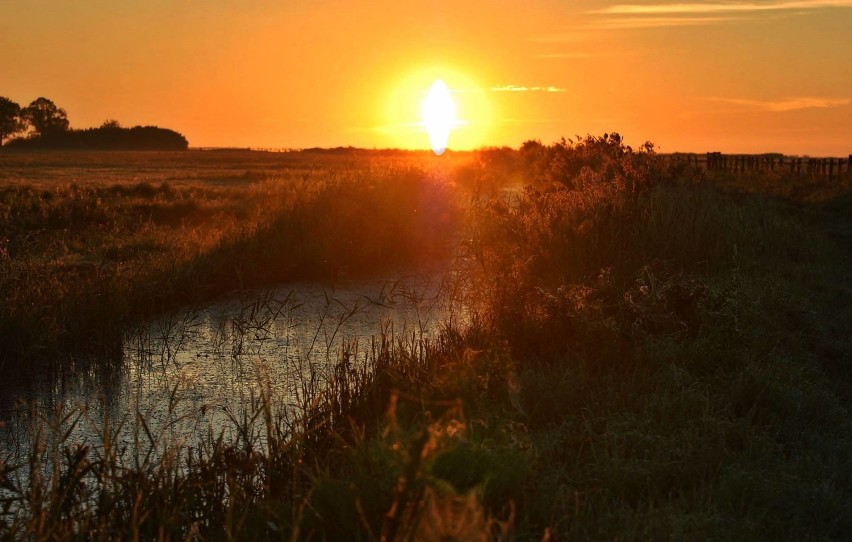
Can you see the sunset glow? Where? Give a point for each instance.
(754, 76)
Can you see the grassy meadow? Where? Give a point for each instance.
(654, 353)
(92, 242)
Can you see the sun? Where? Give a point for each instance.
(439, 115)
(438, 101)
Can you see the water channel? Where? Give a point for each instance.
(194, 372)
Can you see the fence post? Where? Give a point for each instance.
(714, 161)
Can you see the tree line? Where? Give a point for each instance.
(44, 125)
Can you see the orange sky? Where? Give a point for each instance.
(693, 76)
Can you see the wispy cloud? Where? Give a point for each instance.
(591, 29)
(629, 23)
(674, 14)
(668, 8)
(520, 88)
(790, 104)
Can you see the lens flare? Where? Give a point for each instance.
(439, 115)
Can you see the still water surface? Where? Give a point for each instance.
(194, 371)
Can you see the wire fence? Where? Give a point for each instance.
(716, 161)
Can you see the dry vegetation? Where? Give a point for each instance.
(89, 247)
(652, 356)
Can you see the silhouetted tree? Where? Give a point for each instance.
(45, 118)
(10, 119)
(107, 137)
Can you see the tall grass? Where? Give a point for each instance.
(82, 261)
(278, 473)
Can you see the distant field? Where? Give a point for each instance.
(91, 241)
(215, 166)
